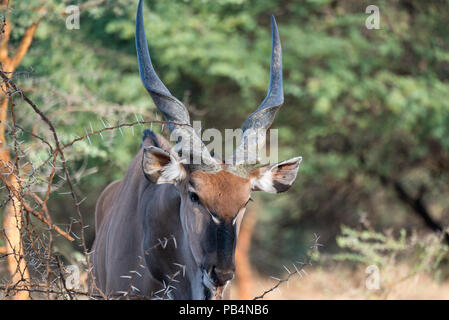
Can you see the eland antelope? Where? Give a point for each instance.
(168, 229)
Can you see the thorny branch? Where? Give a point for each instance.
(299, 271)
(38, 246)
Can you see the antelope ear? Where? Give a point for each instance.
(275, 178)
(161, 166)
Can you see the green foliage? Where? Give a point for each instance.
(368, 247)
(357, 101)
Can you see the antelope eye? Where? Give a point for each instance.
(194, 197)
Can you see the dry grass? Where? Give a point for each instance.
(344, 283)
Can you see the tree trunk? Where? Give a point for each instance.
(12, 214)
(12, 224)
(243, 270)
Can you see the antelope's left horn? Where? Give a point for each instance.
(255, 126)
(173, 110)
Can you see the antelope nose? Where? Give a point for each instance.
(222, 276)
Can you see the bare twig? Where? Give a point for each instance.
(299, 271)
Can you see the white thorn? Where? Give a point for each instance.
(120, 129)
(133, 271)
(297, 271)
(135, 289)
(159, 291)
(289, 272)
(87, 136)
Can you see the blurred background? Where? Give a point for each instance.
(367, 109)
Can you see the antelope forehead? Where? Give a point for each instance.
(220, 180)
(222, 192)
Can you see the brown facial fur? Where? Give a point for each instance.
(222, 193)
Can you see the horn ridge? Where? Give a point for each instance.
(275, 95)
(172, 108)
(263, 117)
(188, 142)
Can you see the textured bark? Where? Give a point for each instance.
(12, 224)
(243, 270)
(12, 214)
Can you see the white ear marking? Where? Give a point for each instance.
(161, 166)
(173, 170)
(264, 182)
(276, 178)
